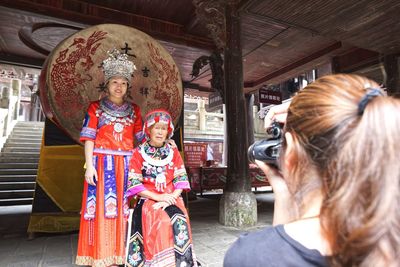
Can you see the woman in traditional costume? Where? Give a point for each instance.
(110, 127)
(160, 234)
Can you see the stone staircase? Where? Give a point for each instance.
(19, 160)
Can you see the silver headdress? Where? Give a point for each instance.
(118, 64)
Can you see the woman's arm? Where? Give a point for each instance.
(88, 136)
(163, 205)
(285, 209)
(177, 193)
(165, 197)
(91, 173)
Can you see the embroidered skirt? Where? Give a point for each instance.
(160, 238)
(104, 214)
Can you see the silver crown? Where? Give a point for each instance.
(118, 64)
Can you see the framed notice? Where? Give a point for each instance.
(267, 96)
(195, 154)
(215, 101)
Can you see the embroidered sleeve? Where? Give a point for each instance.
(135, 176)
(138, 125)
(89, 128)
(181, 180)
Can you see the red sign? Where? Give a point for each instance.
(195, 154)
(194, 178)
(269, 97)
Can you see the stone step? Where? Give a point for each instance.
(22, 149)
(25, 135)
(19, 162)
(27, 130)
(30, 160)
(36, 137)
(18, 165)
(18, 144)
(25, 127)
(30, 124)
(32, 143)
(16, 201)
(34, 128)
(11, 159)
(25, 193)
(24, 140)
(18, 171)
(17, 185)
(18, 178)
(19, 155)
(22, 160)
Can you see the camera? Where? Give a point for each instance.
(267, 150)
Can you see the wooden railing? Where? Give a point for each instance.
(9, 108)
(202, 123)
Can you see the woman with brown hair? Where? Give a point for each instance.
(337, 194)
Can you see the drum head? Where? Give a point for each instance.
(73, 76)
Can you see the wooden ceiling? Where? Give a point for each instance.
(280, 38)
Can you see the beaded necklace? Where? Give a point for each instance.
(118, 116)
(156, 160)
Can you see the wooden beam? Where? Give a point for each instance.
(25, 34)
(190, 85)
(93, 14)
(21, 61)
(295, 64)
(355, 59)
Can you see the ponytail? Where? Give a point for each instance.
(357, 156)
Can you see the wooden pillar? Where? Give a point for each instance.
(237, 180)
(238, 205)
(392, 73)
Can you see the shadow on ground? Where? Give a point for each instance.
(211, 239)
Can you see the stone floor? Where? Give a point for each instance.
(211, 239)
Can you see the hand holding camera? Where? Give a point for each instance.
(265, 153)
(267, 150)
(277, 113)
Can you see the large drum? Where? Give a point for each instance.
(72, 75)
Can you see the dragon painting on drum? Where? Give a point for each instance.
(73, 77)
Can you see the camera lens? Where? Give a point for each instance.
(276, 132)
(265, 150)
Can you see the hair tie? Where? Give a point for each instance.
(371, 93)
